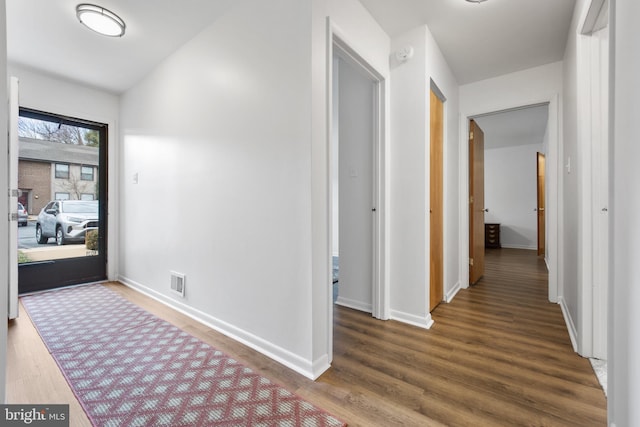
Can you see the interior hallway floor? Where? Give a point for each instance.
(498, 355)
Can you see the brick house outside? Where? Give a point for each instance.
(51, 170)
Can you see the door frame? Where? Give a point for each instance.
(90, 269)
(337, 42)
(592, 336)
(74, 109)
(554, 191)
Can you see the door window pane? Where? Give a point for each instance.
(59, 160)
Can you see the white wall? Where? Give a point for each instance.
(529, 87)
(4, 211)
(43, 92)
(624, 316)
(510, 177)
(410, 176)
(219, 137)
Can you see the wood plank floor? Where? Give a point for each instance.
(498, 355)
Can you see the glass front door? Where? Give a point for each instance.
(62, 195)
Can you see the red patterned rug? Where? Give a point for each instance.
(130, 368)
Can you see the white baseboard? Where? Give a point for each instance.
(571, 327)
(510, 246)
(310, 369)
(452, 292)
(411, 319)
(356, 305)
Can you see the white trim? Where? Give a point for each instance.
(571, 327)
(510, 246)
(14, 91)
(411, 319)
(356, 305)
(302, 366)
(452, 292)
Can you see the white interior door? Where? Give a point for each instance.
(356, 134)
(13, 197)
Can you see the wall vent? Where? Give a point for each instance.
(177, 283)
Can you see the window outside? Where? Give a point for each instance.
(57, 177)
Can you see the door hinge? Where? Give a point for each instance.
(14, 192)
(471, 262)
(470, 199)
(471, 135)
(13, 217)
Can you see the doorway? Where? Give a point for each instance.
(354, 178)
(62, 176)
(512, 165)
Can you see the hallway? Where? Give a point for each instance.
(499, 354)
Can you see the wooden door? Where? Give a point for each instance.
(540, 206)
(436, 212)
(476, 202)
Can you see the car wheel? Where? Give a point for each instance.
(24, 224)
(39, 237)
(59, 236)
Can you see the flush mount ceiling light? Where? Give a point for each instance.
(476, 1)
(100, 20)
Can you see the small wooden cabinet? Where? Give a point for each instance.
(492, 236)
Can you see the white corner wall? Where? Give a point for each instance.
(218, 137)
(624, 316)
(4, 210)
(410, 176)
(43, 92)
(510, 177)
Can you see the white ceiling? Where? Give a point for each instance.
(478, 40)
(516, 127)
(484, 40)
(46, 35)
